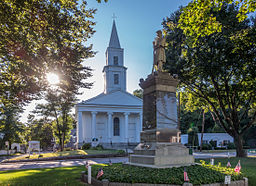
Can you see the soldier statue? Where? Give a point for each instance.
(159, 52)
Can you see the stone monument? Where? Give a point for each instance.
(160, 145)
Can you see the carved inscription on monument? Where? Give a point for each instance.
(166, 110)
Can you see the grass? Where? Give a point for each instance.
(71, 175)
(215, 151)
(48, 176)
(248, 166)
(15, 154)
(67, 153)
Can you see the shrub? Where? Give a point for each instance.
(86, 146)
(220, 148)
(231, 146)
(133, 174)
(207, 146)
(192, 136)
(120, 152)
(213, 143)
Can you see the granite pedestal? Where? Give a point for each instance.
(160, 145)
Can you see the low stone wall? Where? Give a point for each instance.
(105, 182)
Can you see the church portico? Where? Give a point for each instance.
(109, 127)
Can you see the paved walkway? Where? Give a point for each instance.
(58, 163)
(77, 162)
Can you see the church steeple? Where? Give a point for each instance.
(114, 71)
(114, 41)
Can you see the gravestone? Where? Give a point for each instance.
(160, 139)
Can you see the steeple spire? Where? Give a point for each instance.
(114, 41)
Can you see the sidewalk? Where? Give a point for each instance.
(65, 158)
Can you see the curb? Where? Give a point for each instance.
(105, 182)
(67, 158)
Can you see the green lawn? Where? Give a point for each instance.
(54, 176)
(248, 166)
(71, 175)
(67, 153)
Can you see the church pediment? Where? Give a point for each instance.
(114, 98)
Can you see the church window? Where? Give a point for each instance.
(115, 60)
(116, 127)
(116, 79)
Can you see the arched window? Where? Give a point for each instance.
(116, 127)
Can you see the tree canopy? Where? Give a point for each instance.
(219, 72)
(38, 37)
(198, 17)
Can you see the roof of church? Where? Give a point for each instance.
(114, 41)
(115, 98)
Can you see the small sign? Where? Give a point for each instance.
(227, 179)
(34, 146)
(212, 161)
(95, 142)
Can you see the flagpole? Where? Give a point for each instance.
(89, 174)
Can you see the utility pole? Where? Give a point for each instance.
(202, 132)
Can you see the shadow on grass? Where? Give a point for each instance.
(48, 176)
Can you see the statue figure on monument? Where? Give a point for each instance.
(159, 52)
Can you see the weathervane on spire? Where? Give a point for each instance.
(114, 16)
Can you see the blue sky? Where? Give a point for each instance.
(136, 22)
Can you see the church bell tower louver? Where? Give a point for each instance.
(114, 71)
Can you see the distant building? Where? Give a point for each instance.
(114, 117)
(221, 139)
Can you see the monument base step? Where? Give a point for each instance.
(161, 155)
(158, 166)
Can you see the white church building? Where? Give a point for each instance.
(114, 117)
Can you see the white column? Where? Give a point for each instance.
(80, 127)
(138, 128)
(94, 124)
(126, 129)
(110, 126)
(141, 121)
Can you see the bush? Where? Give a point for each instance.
(120, 152)
(231, 146)
(192, 136)
(135, 174)
(86, 146)
(213, 143)
(220, 148)
(207, 146)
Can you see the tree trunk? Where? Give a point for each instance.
(179, 110)
(60, 143)
(202, 132)
(239, 146)
(63, 139)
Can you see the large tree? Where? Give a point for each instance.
(40, 130)
(38, 37)
(218, 72)
(60, 101)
